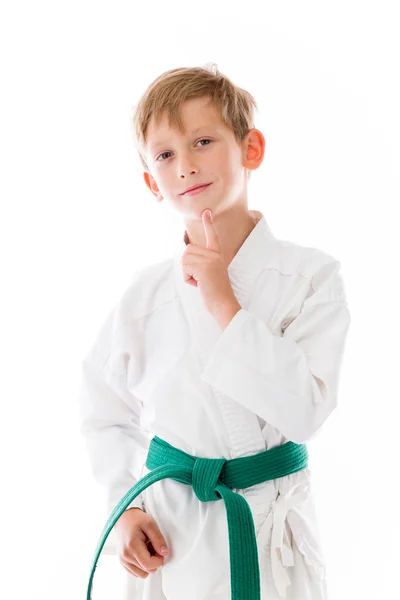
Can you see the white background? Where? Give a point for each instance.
(77, 220)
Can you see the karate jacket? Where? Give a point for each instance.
(161, 365)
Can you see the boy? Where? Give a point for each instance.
(230, 349)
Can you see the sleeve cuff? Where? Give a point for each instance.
(225, 340)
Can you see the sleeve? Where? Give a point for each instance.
(110, 423)
(289, 380)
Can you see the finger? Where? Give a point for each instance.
(197, 249)
(187, 278)
(191, 281)
(150, 548)
(210, 231)
(157, 540)
(196, 259)
(144, 558)
(189, 273)
(134, 569)
(131, 557)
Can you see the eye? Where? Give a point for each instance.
(202, 140)
(163, 154)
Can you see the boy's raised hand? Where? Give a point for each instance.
(139, 542)
(205, 268)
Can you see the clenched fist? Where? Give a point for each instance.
(139, 543)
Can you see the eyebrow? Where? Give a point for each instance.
(160, 144)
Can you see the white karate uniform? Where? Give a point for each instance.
(162, 366)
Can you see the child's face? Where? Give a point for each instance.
(177, 161)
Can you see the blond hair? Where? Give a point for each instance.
(171, 89)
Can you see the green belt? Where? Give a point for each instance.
(213, 479)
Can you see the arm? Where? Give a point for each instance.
(110, 424)
(292, 380)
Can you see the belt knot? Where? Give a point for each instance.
(205, 476)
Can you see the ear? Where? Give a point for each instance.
(152, 185)
(253, 149)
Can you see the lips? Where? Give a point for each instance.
(196, 187)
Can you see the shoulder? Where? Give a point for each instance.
(150, 287)
(320, 268)
(291, 257)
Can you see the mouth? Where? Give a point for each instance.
(196, 190)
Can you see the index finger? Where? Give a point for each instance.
(212, 239)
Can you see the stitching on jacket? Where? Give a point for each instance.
(286, 274)
(143, 316)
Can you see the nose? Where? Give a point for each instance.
(186, 167)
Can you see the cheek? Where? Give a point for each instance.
(219, 164)
(164, 178)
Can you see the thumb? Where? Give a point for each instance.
(157, 540)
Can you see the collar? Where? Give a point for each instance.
(246, 265)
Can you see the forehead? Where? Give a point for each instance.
(197, 114)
